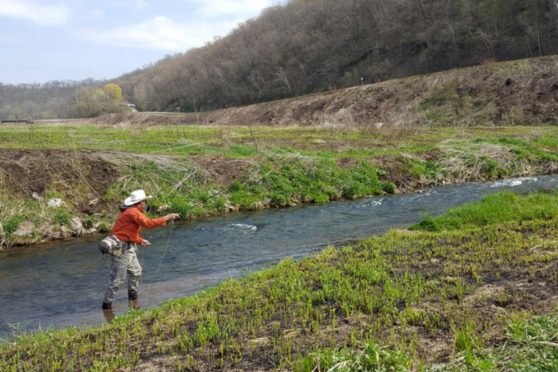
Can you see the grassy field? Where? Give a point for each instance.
(244, 141)
(199, 171)
(474, 289)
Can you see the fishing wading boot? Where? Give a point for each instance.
(133, 302)
(108, 314)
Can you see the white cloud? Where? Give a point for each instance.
(31, 11)
(232, 8)
(213, 18)
(161, 33)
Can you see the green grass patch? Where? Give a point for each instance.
(530, 344)
(370, 357)
(495, 209)
(286, 181)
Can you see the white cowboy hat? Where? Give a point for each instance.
(136, 197)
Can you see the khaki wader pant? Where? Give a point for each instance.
(126, 263)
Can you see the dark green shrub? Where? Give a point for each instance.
(389, 187)
(90, 221)
(428, 223)
(61, 217)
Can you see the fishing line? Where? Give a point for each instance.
(161, 260)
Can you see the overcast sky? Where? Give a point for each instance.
(45, 40)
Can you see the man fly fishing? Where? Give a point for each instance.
(127, 229)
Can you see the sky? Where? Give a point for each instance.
(51, 40)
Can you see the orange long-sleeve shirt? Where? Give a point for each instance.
(128, 225)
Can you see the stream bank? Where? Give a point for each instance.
(201, 172)
(62, 284)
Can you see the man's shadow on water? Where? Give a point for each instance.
(109, 314)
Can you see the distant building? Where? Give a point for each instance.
(131, 107)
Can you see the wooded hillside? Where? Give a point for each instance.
(310, 46)
(315, 45)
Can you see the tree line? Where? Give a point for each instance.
(309, 46)
(58, 99)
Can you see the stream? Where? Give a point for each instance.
(62, 284)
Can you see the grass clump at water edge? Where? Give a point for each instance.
(493, 209)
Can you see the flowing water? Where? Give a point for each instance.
(62, 284)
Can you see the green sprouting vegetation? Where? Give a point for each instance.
(274, 182)
(495, 209)
(473, 298)
(252, 141)
(289, 182)
(369, 357)
(529, 343)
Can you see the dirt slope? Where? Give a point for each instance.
(517, 92)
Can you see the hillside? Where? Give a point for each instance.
(309, 46)
(507, 93)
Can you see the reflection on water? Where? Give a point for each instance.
(63, 284)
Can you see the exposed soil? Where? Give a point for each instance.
(222, 171)
(25, 172)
